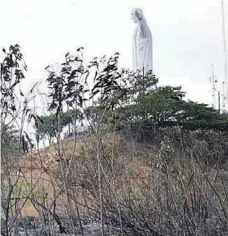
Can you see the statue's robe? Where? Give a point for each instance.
(142, 48)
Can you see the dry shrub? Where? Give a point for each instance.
(181, 191)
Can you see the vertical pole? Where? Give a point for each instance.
(214, 87)
(225, 58)
(219, 102)
(223, 97)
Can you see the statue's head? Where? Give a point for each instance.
(136, 14)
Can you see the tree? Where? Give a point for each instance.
(9, 139)
(164, 106)
(50, 126)
(15, 113)
(11, 72)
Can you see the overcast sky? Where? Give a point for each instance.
(187, 35)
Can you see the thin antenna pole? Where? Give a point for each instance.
(213, 81)
(225, 58)
(223, 97)
(219, 102)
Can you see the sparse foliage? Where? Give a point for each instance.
(173, 182)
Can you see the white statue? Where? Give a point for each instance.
(142, 42)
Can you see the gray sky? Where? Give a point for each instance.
(187, 35)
